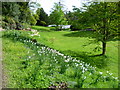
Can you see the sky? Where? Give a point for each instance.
(48, 4)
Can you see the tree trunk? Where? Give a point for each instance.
(104, 32)
(104, 48)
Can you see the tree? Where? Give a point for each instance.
(78, 19)
(16, 15)
(42, 17)
(57, 16)
(73, 18)
(100, 16)
(10, 14)
(104, 19)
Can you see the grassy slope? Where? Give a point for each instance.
(71, 43)
(14, 53)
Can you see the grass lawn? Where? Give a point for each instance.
(73, 44)
(41, 28)
(29, 64)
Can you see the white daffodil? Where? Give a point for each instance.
(101, 72)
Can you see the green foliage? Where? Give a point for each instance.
(10, 9)
(78, 19)
(70, 72)
(105, 19)
(36, 16)
(34, 5)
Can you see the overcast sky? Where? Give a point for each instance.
(48, 4)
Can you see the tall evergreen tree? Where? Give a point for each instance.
(42, 17)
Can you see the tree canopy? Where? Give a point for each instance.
(57, 16)
(43, 19)
(102, 17)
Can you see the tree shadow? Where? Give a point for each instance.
(89, 34)
(98, 61)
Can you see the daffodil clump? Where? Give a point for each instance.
(45, 67)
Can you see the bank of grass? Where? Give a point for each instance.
(33, 65)
(13, 53)
(77, 44)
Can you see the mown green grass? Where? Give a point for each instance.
(33, 65)
(76, 44)
(42, 28)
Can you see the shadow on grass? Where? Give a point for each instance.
(81, 34)
(98, 61)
